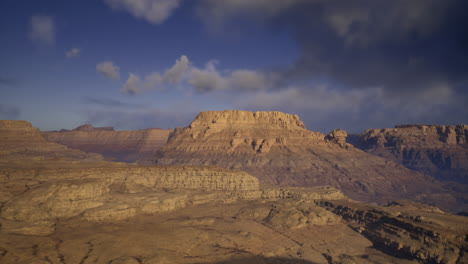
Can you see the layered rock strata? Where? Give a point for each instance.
(278, 149)
(408, 230)
(127, 146)
(19, 140)
(32, 199)
(440, 151)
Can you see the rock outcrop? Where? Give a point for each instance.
(440, 151)
(68, 211)
(19, 141)
(127, 146)
(408, 230)
(278, 149)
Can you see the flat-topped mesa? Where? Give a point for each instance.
(15, 125)
(20, 140)
(243, 132)
(277, 149)
(261, 119)
(433, 136)
(440, 151)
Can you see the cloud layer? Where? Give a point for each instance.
(42, 29)
(153, 11)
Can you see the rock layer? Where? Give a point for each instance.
(279, 150)
(19, 140)
(127, 146)
(440, 151)
(408, 230)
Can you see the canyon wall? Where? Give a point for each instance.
(279, 150)
(440, 151)
(127, 146)
(19, 140)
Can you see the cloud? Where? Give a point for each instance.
(42, 29)
(9, 112)
(202, 80)
(132, 85)
(153, 11)
(108, 102)
(396, 61)
(181, 114)
(207, 79)
(74, 52)
(176, 72)
(108, 69)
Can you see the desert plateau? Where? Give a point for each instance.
(234, 132)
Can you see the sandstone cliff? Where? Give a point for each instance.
(279, 150)
(19, 140)
(127, 146)
(440, 151)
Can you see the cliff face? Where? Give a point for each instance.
(279, 150)
(127, 146)
(20, 140)
(408, 230)
(440, 151)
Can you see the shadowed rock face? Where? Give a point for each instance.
(127, 146)
(278, 149)
(440, 151)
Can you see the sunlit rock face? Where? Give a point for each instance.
(127, 146)
(20, 140)
(440, 151)
(279, 150)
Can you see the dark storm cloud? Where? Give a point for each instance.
(396, 44)
(368, 62)
(399, 45)
(9, 112)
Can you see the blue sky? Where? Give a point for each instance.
(136, 64)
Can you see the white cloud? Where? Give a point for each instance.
(153, 11)
(42, 29)
(208, 79)
(173, 75)
(132, 85)
(202, 80)
(109, 70)
(74, 52)
(176, 72)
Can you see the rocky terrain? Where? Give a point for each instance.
(19, 141)
(277, 148)
(58, 209)
(133, 214)
(127, 146)
(440, 151)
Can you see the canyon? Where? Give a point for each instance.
(62, 205)
(126, 146)
(277, 149)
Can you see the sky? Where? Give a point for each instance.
(134, 64)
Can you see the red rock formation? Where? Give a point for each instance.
(127, 146)
(440, 151)
(279, 150)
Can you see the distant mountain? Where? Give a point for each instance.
(128, 146)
